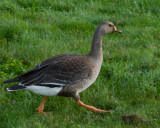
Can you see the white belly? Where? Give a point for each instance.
(45, 91)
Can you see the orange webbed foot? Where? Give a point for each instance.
(92, 108)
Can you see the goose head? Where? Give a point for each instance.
(107, 27)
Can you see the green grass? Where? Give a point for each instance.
(129, 81)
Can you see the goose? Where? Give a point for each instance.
(67, 74)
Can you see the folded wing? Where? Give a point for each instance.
(62, 70)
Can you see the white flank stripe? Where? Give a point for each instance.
(21, 84)
(45, 91)
(52, 84)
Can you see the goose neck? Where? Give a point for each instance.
(96, 47)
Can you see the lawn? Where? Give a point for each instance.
(128, 84)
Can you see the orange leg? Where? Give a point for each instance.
(41, 107)
(91, 107)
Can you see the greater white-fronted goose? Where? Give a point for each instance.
(68, 74)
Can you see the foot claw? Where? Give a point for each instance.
(103, 111)
(107, 111)
(40, 111)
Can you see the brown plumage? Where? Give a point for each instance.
(68, 74)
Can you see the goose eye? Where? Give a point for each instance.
(110, 25)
